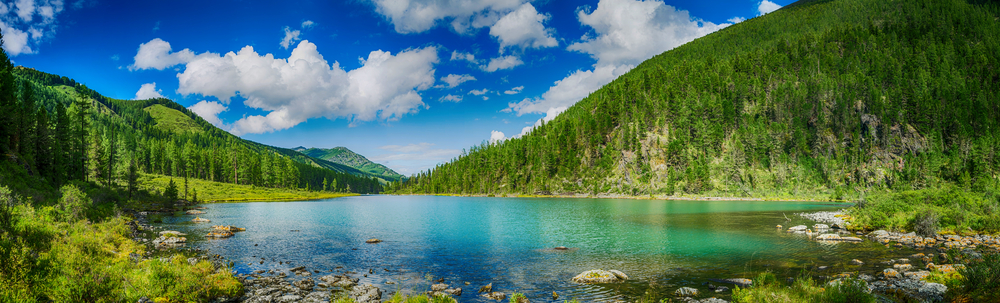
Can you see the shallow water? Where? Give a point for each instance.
(661, 245)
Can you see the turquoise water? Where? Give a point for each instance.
(661, 245)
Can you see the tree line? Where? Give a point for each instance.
(62, 130)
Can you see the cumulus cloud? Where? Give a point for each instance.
(454, 80)
(307, 24)
(514, 91)
(148, 91)
(523, 27)
(569, 90)
(27, 23)
(765, 7)
(291, 36)
(415, 16)
(307, 86)
(629, 31)
(505, 62)
(479, 92)
(210, 110)
(497, 136)
(550, 114)
(735, 20)
(156, 54)
(457, 55)
(451, 98)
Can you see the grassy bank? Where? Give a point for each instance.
(928, 211)
(78, 250)
(218, 192)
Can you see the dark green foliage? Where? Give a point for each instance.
(982, 279)
(826, 98)
(947, 208)
(344, 156)
(74, 203)
(170, 193)
(847, 291)
(926, 223)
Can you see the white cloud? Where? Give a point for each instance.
(209, 110)
(415, 16)
(454, 80)
(27, 23)
(505, 62)
(550, 114)
(514, 91)
(306, 86)
(479, 92)
(569, 90)
(156, 54)
(451, 98)
(485, 98)
(523, 27)
(148, 91)
(307, 24)
(456, 55)
(291, 36)
(766, 7)
(497, 136)
(735, 20)
(629, 31)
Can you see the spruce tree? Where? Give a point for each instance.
(8, 100)
(26, 122)
(43, 144)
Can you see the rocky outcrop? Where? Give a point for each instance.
(600, 276)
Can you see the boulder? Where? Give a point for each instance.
(741, 282)
(821, 226)
(454, 291)
(439, 287)
(561, 248)
(487, 288)
(194, 212)
(366, 293)
(618, 274)
(306, 285)
(219, 234)
(857, 262)
(828, 237)
(200, 220)
(686, 292)
(890, 273)
(499, 296)
(902, 267)
(228, 228)
(797, 228)
(599, 276)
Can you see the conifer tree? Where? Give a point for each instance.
(8, 100)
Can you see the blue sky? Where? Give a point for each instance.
(407, 83)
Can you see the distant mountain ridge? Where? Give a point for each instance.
(342, 155)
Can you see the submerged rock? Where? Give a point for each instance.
(373, 241)
(686, 292)
(600, 276)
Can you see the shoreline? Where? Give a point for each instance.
(661, 197)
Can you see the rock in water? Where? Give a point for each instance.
(686, 292)
(306, 285)
(439, 287)
(366, 293)
(499, 296)
(741, 282)
(488, 288)
(373, 241)
(200, 220)
(599, 276)
(561, 248)
(797, 228)
(857, 262)
(555, 296)
(454, 291)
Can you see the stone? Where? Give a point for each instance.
(890, 273)
(306, 285)
(228, 228)
(828, 237)
(439, 287)
(721, 289)
(194, 212)
(219, 234)
(918, 275)
(499, 296)
(686, 292)
(797, 228)
(706, 300)
(618, 274)
(741, 282)
(857, 262)
(366, 293)
(902, 267)
(598, 276)
(193, 261)
(200, 220)
(851, 239)
(561, 248)
(454, 291)
(821, 226)
(932, 291)
(488, 288)
(373, 241)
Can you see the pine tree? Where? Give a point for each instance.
(61, 162)
(81, 131)
(8, 100)
(26, 122)
(43, 144)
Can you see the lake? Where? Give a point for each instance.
(661, 245)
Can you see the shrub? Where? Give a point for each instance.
(73, 204)
(926, 223)
(982, 279)
(847, 291)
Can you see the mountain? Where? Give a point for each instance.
(820, 99)
(344, 156)
(93, 137)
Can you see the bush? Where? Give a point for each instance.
(847, 291)
(926, 223)
(73, 204)
(982, 279)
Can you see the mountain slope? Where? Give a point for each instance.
(344, 156)
(108, 140)
(821, 99)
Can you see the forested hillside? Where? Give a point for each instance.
(342, 155)
(61, 130)
(821, 99)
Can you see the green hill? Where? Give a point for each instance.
(821, 99)
(172, 119)
(344, 156)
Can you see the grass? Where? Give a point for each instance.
(53, 255)
(946, 210)
(172, 119)
(399, 297)
(218, 192)
(767, 288)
